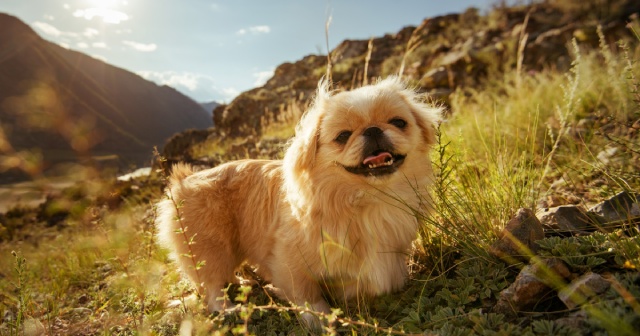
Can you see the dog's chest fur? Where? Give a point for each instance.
(364, 245)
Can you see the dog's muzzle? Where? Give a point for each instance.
(379, 157)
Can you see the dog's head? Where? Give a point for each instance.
(370, 134)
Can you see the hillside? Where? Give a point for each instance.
(64, 103)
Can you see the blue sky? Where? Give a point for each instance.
(215, 49)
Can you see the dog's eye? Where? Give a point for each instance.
(399, 123)
(343, 137)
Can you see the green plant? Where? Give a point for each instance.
(16, 327)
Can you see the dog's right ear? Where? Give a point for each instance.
(302, 150)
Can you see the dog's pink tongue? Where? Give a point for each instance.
(377, 159)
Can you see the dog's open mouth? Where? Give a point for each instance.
(377, 164)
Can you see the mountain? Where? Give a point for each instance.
(209, 107)
(65, 103)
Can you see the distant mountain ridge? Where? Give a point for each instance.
(55, 99)
(209, 107)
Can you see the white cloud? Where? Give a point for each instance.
(255, 30)
(172, 78)
(262, 77)
(47, 29)
(230, 93)
(82, 45)
(99, 57)
(66, 6)
(141, 46)
(99, 45)
(49, 17)
(90, 32)
(198, 86)
(107, 15)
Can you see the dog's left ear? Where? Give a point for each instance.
(302, 150)
(427, 116)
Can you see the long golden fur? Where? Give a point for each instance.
(335, 214)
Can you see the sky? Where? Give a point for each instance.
(212, 50)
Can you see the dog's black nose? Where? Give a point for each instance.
(372, 132)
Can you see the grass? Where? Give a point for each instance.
(504, 146)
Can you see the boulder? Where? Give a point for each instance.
(534, 283)
(582, 289)
(517, 241)
(622, 206)
(178, 146)
(566, 220)
(435, 78)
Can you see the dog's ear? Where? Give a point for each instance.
(427, 116)
(302, 150)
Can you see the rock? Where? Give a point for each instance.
(566, 220)
(33, 327)
(534, 283)
(576, 320)
(177, 147)
(608, 155)
(83, 299)
(441, 96)
(435, 78)
(8, 316)
(517, 240)
(622, 206)
(582, 289)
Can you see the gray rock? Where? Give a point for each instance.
(582, 289)
(622, 206)
(33, 327)
(566, 219)
(517, 241)
(533, 283)
(576, 320)
(608, 155)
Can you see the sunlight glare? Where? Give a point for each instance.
(103, 3)
(104, 10)
(107, 15)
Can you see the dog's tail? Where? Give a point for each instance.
(165, 221)
(179, 172)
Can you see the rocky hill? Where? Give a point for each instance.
(439, 55)
(64, 103)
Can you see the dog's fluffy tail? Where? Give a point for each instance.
(166, 222)
(179, 172)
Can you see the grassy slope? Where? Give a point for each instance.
(503, 148)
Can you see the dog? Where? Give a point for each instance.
(336, 215)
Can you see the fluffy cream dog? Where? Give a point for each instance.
(336, 214)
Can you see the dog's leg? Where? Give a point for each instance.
(301, 290)
(217, 264)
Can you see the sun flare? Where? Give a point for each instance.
(105, 10)
(106, 4)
